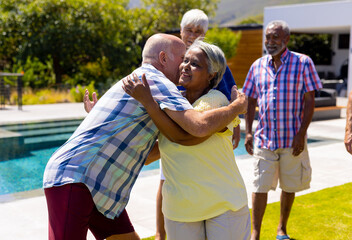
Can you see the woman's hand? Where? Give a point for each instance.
(138, 89)
(88, 104)
(242, 100)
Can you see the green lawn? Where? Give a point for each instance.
(322, 215)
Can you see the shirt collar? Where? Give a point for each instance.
(147, 65)
(283, 56)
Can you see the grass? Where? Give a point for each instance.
(326, 214)
(323, 215)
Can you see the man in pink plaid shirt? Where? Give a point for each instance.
(282, 83)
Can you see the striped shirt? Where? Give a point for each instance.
(280, 97)
(109, 148)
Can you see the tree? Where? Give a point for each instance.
(252, 20)
(316, 46)
(170, 12)
(72, 33)
(85, 40)
(225, 39)
(10, 31)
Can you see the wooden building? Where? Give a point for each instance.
(249, 49)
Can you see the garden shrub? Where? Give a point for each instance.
(36, 73)
(316, 46)
(78, 91)
(225, 39)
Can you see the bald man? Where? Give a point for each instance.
(87, 182)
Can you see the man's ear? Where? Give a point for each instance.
(162, 58)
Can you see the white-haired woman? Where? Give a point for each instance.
(194, 25)
(204, 196)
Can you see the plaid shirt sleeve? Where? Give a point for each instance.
(311, 79)
(249, 87)
(171, 98)
(164, 91)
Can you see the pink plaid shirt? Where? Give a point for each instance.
(280, 97)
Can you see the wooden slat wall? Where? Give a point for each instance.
(249, 49)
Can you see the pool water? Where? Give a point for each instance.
(25, 171)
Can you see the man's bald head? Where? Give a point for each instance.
(165, 52)
(160, 42)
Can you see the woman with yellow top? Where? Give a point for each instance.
(204, 196)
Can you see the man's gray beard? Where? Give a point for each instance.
(276, 51)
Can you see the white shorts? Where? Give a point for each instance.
(227, 226)
(294, 172)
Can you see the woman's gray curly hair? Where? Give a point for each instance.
(215, 58)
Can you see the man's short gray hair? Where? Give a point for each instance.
(215, 58)
(195, 17)
(281, 23)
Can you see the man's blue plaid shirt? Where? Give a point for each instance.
(109, 148)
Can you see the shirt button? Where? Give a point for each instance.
(274, 98)
(275, 130)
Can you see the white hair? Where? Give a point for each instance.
(195, 17)
(280, 23)
(215, 58)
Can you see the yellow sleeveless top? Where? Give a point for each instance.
(202, 181)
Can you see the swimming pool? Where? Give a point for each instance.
(23, 168)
